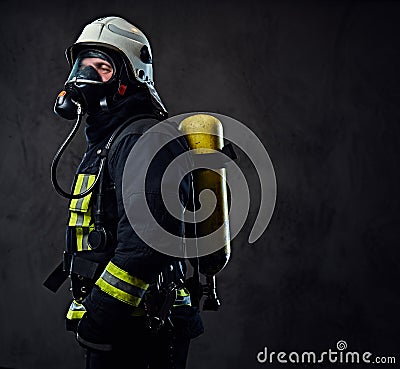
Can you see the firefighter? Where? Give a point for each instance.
(121, 286)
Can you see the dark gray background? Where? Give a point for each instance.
(318, 82)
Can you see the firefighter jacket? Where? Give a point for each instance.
(112, 283)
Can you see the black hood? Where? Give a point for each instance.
(100, 125)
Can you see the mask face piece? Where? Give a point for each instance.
(92, 66)
(92, 78)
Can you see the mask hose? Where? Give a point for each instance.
(57, 158)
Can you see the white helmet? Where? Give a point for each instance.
(117, 34)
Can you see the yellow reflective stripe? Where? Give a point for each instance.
(77, 189)
(83, 182)
(125, 276)
(183, 292)
(79, 238)
(78, 186)
(87, 217)
(75, 219)
(185, 300)
(86, 199)
(76, 311)
(120, 284)
(117, 293)
(80, 211)
(75, 314)
(82, 234)
(182, 297)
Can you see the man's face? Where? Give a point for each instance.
(102, 67)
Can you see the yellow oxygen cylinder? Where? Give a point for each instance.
(205, 133)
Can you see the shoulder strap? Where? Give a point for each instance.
(137, 125)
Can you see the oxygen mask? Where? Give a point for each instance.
(91, 81)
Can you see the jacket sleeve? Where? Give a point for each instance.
(135, 264)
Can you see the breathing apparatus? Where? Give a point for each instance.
(110, 60)
(94, 78)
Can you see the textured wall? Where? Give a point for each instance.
(319, 84)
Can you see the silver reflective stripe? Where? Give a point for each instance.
(82, 189)
(182, 300)
(76, 307)
(122, 285)
(85, 243)
(79, 219)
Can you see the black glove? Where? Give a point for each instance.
(187, 320)
(71, 324)
(92, 335)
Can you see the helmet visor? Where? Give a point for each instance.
(92, 66)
